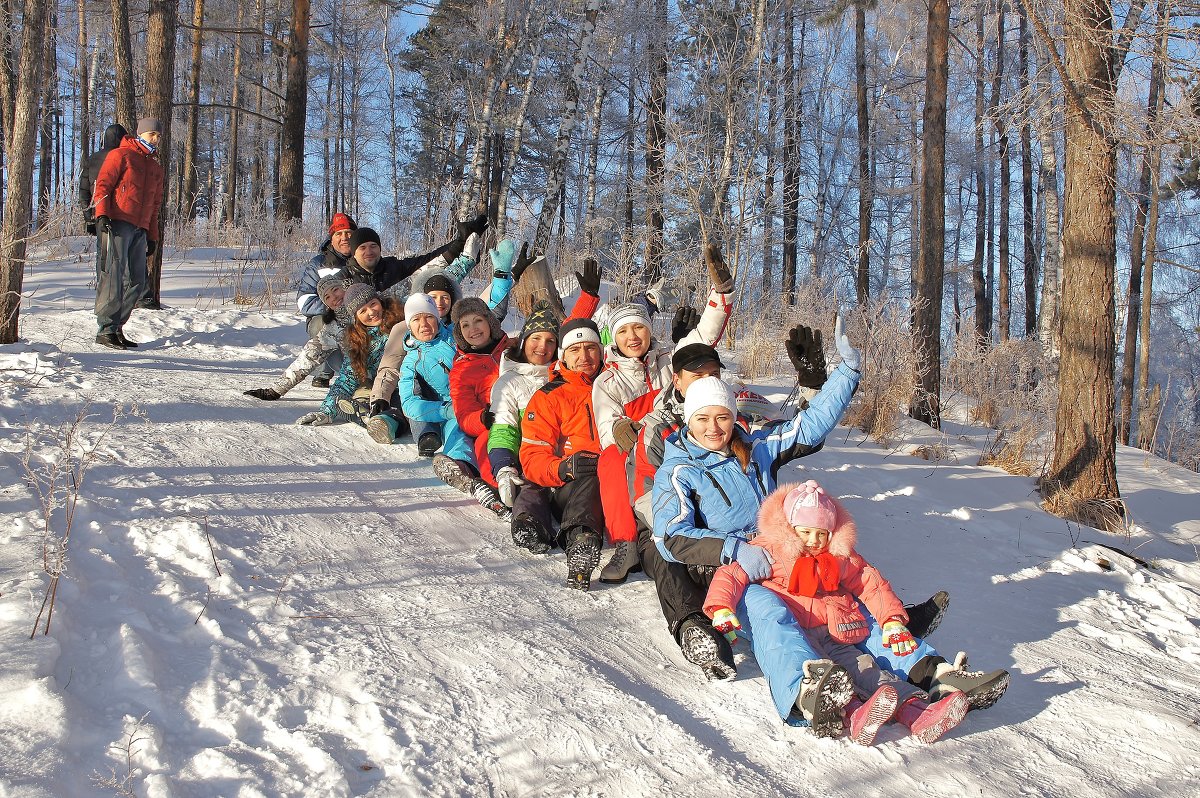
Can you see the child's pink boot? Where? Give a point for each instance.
(867, 717)
(928, 722)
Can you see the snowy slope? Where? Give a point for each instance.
(373, 632)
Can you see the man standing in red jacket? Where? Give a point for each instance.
(560, 448)
(127, 196)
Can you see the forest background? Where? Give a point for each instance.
(1004, 191)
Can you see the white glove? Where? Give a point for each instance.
(850, 356)
(508, 481)
(314, 419)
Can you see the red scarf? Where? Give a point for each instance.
(811, 574)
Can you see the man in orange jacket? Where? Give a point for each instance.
(560, 447)
(127, 196)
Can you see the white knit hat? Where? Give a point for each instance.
(417, 304)
(705, 392)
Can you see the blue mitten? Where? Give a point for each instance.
(755, 561)
(502, 257)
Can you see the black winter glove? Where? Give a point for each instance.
(103, 225)
(476, 225)
(487, 417)
(151, 248)
(807, 355)
(718, 271)
(686, 320)
(522, 262)
(580, 464)
(266, 394)
(589, 281)
(380, 406)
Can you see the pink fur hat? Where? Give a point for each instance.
(774, 523)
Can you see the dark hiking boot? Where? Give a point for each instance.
(528, 534)
(706, 648)
(111, 340)
(128, 344)
(824, 694)
(982, 689)
(428, 444)
(625, 560)
(357, 408)
(583, 555)
(320, 382)
(924, 618)
(489, 499)
(453, 473)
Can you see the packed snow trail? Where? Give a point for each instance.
(373, 632)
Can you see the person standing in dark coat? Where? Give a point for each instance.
(87, 181)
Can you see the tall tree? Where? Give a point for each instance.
(123, 65)
(656, 139)
(1029, 257)
(160, 98)
(295, 110)
(927, 311)
(191, 183)
(983, 300)
(1004, 265)
(862, 274)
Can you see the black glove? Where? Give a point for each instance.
(476, 225)
(522, 262)
(91, 228)
(580, 464)
(686, 320)
(807, 355)
(718, 271)
(589, 281)
(151, 248)
(487, 417)
(266, 394)
(380, 406)
(103, 225)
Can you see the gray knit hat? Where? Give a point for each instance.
(328, 284)
(358, 295)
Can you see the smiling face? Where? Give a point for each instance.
(475, 329)
(423, 327)
(814, 539)
(632, 339)
(583, 357)
(443, 300)
(540, 348)
(367, 254)
(335, 298)
(340, 241)
(712, 427)
(370, 314)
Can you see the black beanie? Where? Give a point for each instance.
(361, 236)
(439, 282)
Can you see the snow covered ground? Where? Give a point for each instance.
(373, 632)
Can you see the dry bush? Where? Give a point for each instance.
(1108, 515)
(986, 412)
(1015, 451)
(889, 369)
(934, 453)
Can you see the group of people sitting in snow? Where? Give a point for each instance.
(574, 431)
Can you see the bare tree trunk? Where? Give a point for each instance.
(1084, 460)
(1049, 322)
(772, 166)
(593, 165)
(160, 98)
(46, 127)
(85, 100)
(191, 186)
(8, 69)
(656, 135)
(630, 139)
(514, 150)
(1004, 266)
(295, 107)
(1027, 210)
(556, 173)
(123, 65)
(927, 312)
(231, 174)
(862, 274)
(983, 314)
(791, 156)
(19, 146)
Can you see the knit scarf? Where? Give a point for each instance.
(812, 574)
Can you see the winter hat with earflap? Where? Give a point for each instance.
(475, 306)
(541, 318)
(807, 504)
(630, 313)
(577, 331)
(358, 295)
(705, 392)
(417, 304)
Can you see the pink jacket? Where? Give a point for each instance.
(857, 577)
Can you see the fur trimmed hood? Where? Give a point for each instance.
(773, 525)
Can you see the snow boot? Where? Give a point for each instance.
(488, 498)
(383, 428)
(583, 555)
(982, 689)
(428, 443)
(706, 648)
(926, 617)
(358, 407)
(320, 382)
(928, 722)
(867, 717)
(453, 473)
(625, 560)
(528, 534)
(824, 694)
